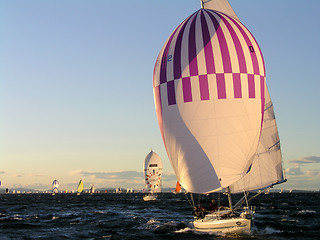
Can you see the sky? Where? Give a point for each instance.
(76, 97)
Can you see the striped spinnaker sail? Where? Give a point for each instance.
(209, 89)
(153, 172)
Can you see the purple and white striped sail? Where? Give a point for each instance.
(209, 89)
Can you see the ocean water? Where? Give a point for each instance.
(127, 216)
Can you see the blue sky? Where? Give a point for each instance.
(76, 98)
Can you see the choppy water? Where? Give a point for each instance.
(127, 216)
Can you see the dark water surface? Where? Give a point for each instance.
(127, 216)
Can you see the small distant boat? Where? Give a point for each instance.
(55, 186)
(152, 175)
(80, 187)
(178, 188)
(150, 197)
(92, 189)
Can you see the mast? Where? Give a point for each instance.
(229, 198)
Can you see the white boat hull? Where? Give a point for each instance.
(150, 198)
(230, 225)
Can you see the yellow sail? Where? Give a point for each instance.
(80, 187)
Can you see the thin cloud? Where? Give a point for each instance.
(28, 175)
(109, 175)
(121, 175)
(169, 176)
(306, 160)
(313, 172)
(2, 172)
(295, 171)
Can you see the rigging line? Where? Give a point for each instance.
(245, 195)
(240, 202)
(253, 197)
(191, 204)
(191, 195)
(199, 199)
(268, 107)
(274, 144)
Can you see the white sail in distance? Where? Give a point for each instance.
(55, 186)
(92, 189)
(210, 91)
(152, 172)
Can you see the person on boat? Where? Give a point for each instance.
(199, 212)
(213, 206)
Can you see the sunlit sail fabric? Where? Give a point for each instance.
(209, 89)
(55, 186)
(92, 189)
(153, 172)
(219, 5)
(80, 187)
(266, 169)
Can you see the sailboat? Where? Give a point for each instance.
(92, 189)
(152, 175)
(178, 188)
(55, 186)
(215, 114)
(80, 187)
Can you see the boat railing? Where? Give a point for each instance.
(220, 214)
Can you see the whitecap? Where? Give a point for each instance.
(187, 229)
(306, 212)
(152, 221)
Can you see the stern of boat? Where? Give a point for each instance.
(226, 222)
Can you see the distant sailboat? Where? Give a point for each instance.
(55, 186)
(80, 187)
(215, 114)
(152, 175)
(178, 188)
(92, 189)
